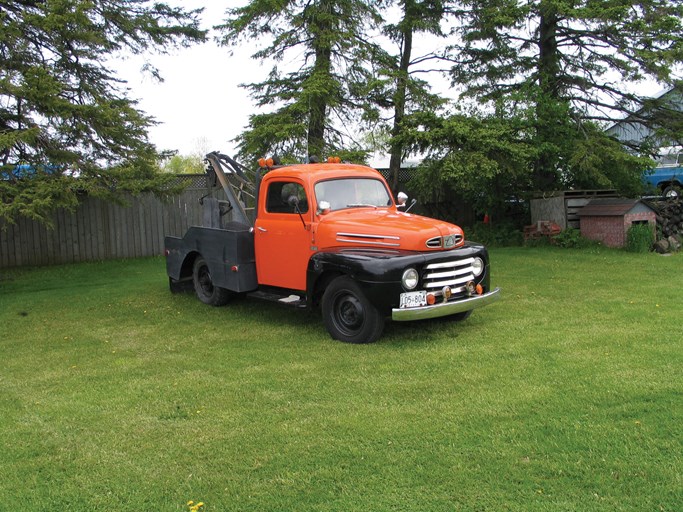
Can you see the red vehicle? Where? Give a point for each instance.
(329, 235)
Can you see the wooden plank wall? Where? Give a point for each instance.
(98, 230)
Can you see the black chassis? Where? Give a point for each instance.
(229, 254)
(378, 271)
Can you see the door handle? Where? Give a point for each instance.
(263, 230)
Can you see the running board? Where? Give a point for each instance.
(294, 300)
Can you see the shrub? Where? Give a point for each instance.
(571, 238)
(639, 238)
(495, 235)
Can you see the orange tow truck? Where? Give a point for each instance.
(327, 235)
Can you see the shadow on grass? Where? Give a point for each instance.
(301, 326)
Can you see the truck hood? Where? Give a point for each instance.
(386, 228)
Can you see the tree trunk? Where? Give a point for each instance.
(400, 96)
(322, 69)
(545, 177)
(318, 104)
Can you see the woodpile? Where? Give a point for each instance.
(669, 225)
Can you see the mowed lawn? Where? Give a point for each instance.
(566, 395)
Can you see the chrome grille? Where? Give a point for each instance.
(434, 243)
(368, 239)
(447, 241)
(455, 273)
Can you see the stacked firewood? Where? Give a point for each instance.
(669, 224)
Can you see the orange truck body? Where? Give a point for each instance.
(330, 235)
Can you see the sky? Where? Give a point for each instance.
(199, 106)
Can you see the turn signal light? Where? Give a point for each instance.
(333, 160)
(480, 289)
(431, 299)
(266, 162)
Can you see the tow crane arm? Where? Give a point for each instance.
(240, 190)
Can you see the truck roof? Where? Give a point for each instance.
(322, 171)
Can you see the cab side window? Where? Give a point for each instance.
(279, 194)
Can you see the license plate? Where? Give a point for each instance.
(413, 299)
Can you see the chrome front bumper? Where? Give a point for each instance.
(444, 308)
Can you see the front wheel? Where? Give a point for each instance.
(348, 314)
(204, 287)
(671, 192)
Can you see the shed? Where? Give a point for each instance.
(561, 207)
(608, 220)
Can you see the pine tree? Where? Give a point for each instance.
(569, 67)
(408, 93)
(316, 106)
(65, 119)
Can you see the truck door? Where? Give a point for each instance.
(282, 243)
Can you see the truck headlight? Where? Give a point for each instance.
(410, 279)
(477, 266)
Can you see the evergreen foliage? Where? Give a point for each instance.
(565, 65)
(544, 77)
(312, 104)
(63, 113)
(482, 159)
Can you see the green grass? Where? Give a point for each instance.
(566, 395)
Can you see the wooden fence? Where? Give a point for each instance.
(99, 230)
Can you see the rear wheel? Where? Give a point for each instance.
(204, 287)
(348, 314)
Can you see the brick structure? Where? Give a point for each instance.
(608, 220)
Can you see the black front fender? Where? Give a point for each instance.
(379, 272)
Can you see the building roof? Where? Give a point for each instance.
(632, 129)
(613, 207)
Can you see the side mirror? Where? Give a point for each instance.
(402, 198)
(293, 201)
(324, 207)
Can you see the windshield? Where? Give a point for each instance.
(670, 160)
(353, 193)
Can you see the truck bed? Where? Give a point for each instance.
(228, 252)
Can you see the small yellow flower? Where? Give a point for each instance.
(195, 507)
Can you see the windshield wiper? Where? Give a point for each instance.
(362, 205)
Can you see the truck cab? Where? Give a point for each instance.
(667, 176)
(331, 236)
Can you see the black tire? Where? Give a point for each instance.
(348, 314)
(204, 287)
(671, 192)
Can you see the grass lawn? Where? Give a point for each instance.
(566, 395)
